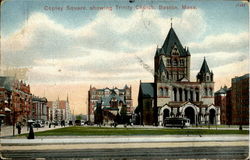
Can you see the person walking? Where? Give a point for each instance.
(31, 133)
(19, 127)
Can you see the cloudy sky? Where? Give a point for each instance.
(68, 46)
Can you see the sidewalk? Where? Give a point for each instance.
(124, 139)
(66, 147)
(8, 130)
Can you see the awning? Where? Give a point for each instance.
(7, 109)
(31, 121)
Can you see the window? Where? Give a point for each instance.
(206, 94)
(211, 92)
(175, 63)
(161, 92)
(175, 50)
(181, 62)
(207, 78)
(168, 62)
(166, 90)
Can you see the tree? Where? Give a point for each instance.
(79, 117)
(123, 113)
(99, 114)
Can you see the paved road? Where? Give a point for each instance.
(124, 139)
(238, 152)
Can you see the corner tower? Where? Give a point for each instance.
(205, 75)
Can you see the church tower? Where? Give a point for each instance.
(205, 75)
(172, 61)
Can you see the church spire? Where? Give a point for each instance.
(205, 75)
(171, 22)
(204, 67)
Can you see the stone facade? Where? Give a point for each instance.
(106, 96)
(59, 110)
(39, 109)
(174, 94)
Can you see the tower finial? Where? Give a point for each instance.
(171, 21)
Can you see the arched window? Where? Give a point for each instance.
(181, 62)
(206, 93)
(166, 90)
(161, 92)
(197, 94)
(207, 78)
(175, 62)
(211, 91)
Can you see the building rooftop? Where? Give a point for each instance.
(147, 90)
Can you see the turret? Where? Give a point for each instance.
(205, 75)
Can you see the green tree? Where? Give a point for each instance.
(79, 117)
(123, 113)
(99, 114)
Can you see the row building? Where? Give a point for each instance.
(18, 104)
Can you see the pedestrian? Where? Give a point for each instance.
(31, 133)
(19, 127)
(49, 124)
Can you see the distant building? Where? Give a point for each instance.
(59, 110)
(110, 100)
(39, 109)
(173, 94)
(240, 100)
(146, 101)
(220, 98)
(234, 102)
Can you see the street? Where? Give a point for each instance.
(224, 152)
(126, 147)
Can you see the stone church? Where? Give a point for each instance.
(172, 94)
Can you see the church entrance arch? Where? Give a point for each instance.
(212, 116)
(166, 113)
(190, 114)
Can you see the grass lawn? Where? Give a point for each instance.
(220, 126)
(105, 131)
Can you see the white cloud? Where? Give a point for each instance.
(226, 42)
(107, 46)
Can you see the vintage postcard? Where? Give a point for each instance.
(124, 79)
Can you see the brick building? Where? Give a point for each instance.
(15, 100)
(240, 100)
(111, 100)
(173, 94)
(234, 101)
(220, 99)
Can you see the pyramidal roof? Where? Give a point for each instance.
(172, 40)
(204, 67)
